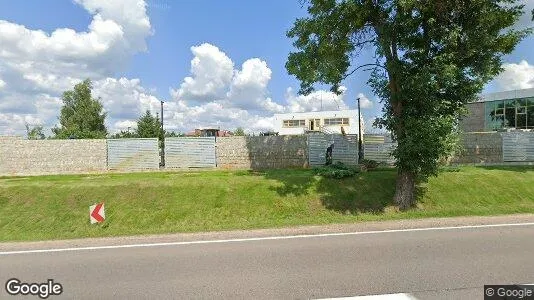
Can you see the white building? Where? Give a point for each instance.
(326, 121)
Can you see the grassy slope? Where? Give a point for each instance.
(50, 207)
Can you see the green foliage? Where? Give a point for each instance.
(337, 170)
(124, 135)
(239, 131)
(431, 58)
(173, 134)
(82, 116)
(148, 126)
(369, 164)
(35, 133)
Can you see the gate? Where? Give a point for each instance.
(345, 149)
(378, 148)
(518, 146)
(190, 152)
(133, 154)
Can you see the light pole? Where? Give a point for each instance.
(162, 136)
(360, 149)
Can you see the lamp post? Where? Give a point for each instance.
(360, 139)
(162, 136)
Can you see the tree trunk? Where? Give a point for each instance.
(405, 190)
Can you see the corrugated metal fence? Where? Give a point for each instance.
(378, 148)
(190, 152)
(133, 154)
(345, 148)
(518, 146)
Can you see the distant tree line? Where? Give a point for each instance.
(83, 117)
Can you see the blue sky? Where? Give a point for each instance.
(141, 52)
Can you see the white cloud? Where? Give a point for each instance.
(37, 66)
(516, 76)
(364, 101)
(315, 101)
(2, 84)
(248, 89)
(125, 125)
(211, 71)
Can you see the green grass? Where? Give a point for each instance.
(53, 207)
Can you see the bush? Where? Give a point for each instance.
(449, 169)
(337, 170)
(369, 164)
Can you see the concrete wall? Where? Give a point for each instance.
(36, 157)
(262, 152)
(474, 121)
(480, 147)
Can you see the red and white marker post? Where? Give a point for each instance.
(97, 213)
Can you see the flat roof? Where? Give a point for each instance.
(513, 94)
(320, 112)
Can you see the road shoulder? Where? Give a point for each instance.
(279, 232)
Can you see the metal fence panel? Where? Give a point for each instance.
(133, 154)
(378, 148)
(518, 146)
(317, 144)
(345, 148)
(190, 152)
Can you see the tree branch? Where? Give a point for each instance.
(362, 66)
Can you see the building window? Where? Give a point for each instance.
(336, 121)
(516, 113)
(294, 123)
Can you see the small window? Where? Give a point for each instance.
(521, 102)
(336, 121)
(294, 123)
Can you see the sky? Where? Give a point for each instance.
(213, 63)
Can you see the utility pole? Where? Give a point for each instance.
(162, 136)
(360, 139)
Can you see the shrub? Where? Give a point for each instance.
(337, 170)
(369, 164)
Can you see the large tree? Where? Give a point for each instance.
(82, 116)
(431, 58)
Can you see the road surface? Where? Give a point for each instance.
(451, 263)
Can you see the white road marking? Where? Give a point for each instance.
(267, 238)
(400, 296)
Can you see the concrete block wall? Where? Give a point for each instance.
(262, 152)
(480, 147)
(474, 120)
(39, 157)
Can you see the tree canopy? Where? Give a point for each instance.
(35, 133)
(82, 116)
(148, 126)
(430, 59)
(239, 131)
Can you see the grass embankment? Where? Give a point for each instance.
(53, 207)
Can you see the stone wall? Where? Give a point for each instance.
(37, 157)
(474, 120)
(262, 152)
(480, 147)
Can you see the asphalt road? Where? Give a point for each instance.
(428, 264)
